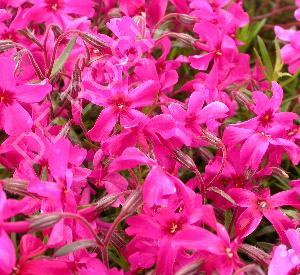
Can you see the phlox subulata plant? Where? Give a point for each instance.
(149, 137)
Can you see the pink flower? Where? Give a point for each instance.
(188, 121)
(264, 131)
(286, 261)
(160, 70)
(155, 11)
(297, 11)
(220, 47)
(290, 53)
(58, 11)
(262, 204)
(13, 116)
(7, 253)
(131, 8)
(120, 104)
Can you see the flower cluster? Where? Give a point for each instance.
(147, 137)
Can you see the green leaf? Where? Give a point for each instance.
(248, 34)
(291, 79)
(60, 62)
(278, 62)
(69, 248)
(261, 64)
(265, 57)
(228, 218)
(222, 194)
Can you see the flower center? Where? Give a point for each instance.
(6, 97)
(267, 118)
(295, 270)
(189, 120)
(121, 103)
(10, 35)
(229, 253)
(262, 204)
(173, 226)
(293, 132)
(131, 51)
(53, 5)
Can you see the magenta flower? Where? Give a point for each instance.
(286, 261)
(58, 11)
(220, 47)
(264, 131)
(297, 11)
(263, 205)
(14, 118)
(161, 70)
(120, 104)
(188, 121)
(120, 150)
(290, 52)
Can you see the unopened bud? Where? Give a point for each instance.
(190, 269)
(28, 34)
(185, 38)
(76, 81)
(106, 202)
(6, 41)
(114, 13)
(279, 172)
(14, 186)
(186, 19)
(133, 202)
(185, 160)
(205, 154)
(255, 253)
(141, 23)
(44, 221)
(118, 241)
(211, 137)
(242, 99)
(94, 41)
(57, 30)
(6, 45)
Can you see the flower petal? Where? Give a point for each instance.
(253, 150)
(247, 222)
(104, 125)
(17, 120)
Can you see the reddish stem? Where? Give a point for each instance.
(17, 227)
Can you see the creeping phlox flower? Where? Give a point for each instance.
(147, 137)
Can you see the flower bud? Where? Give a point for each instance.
(211, 138)
(185, 38)
(186, 19)
(280, 172)
(106, 202)
(15, 186)
(114, 13)
(118, 241)
(44, 221)
(94, 41)
(190, 269)
(255, 253)
(185, 160)
(6, 46)
(76, 81)
(28, 34)
(242, 99)
(133, 202)
(57, 30)
(205, 154)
